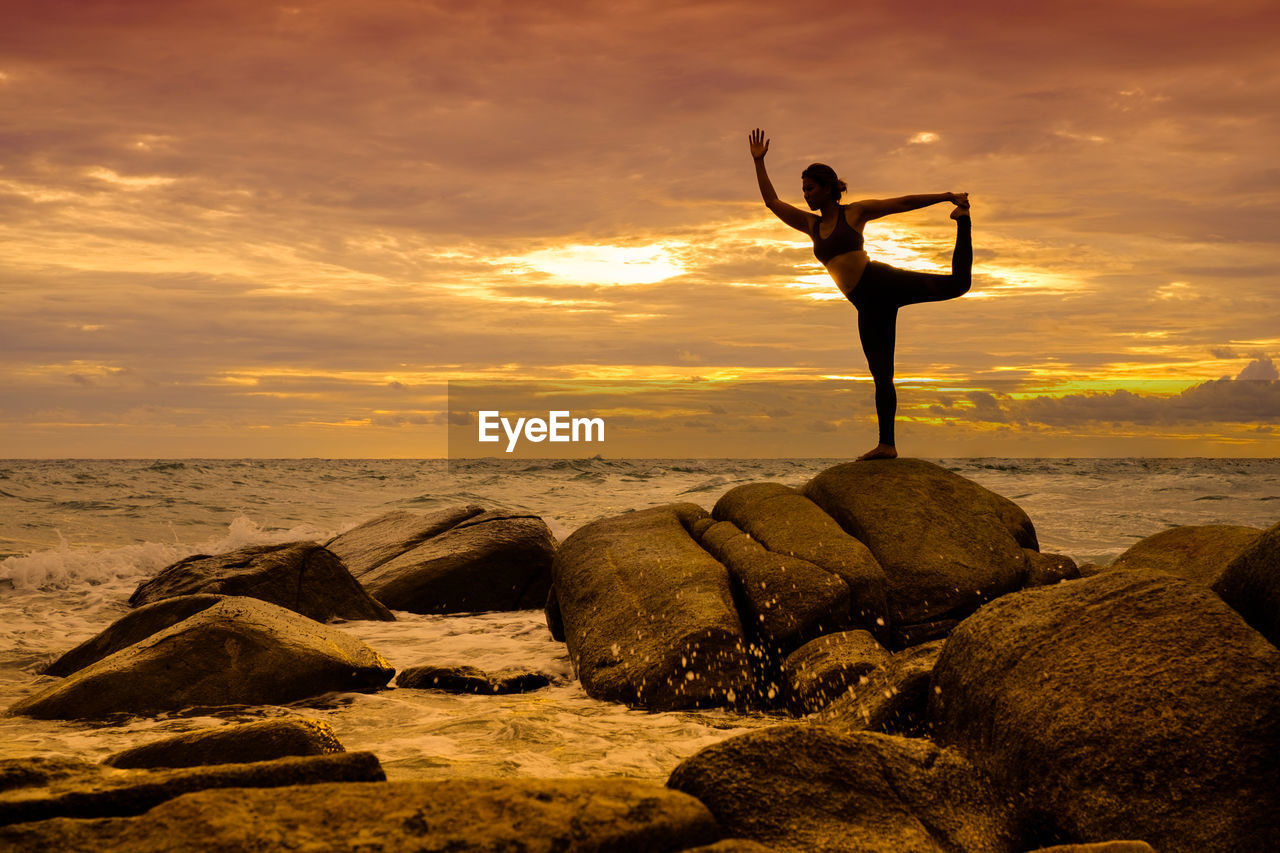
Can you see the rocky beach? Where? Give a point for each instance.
(878, 656)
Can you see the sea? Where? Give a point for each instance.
(78, 536)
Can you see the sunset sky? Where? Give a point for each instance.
(253, 229)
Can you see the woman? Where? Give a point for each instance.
(877, 290)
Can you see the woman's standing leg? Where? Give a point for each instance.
(876, 329)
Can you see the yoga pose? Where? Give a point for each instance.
(877, 290)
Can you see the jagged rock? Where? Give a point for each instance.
(788, 523)
(304, 577)
(487, 561)
(240, 651)
(369, 545)
(648, 614)
(470, 679)
(825, 668)
(131, 628)
(458, 815)
(782, 601)
(1046, 569)
(808, 789)
(732, 845)
(892, 698)
(87, 790)
(1198, 553)
(945, 543)
(242, 743)
(1251, 584)
(1131, 703)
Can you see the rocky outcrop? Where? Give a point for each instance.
(1198, 553)
(131, 628)
(787, 523)
(945, 543)
(648, 615)
(1046, 569)
(826, 668)
(455, 561)
(1128, 704)
(1251, 584)
(369, 545)
(782, 601)
(531, 815)
(241, 743)
(74, 789)
(892, 698)
(240, 651)
(807, 789)
(304, 577)
(470, 679)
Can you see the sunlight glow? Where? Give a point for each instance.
(598, 264)
(112, 177)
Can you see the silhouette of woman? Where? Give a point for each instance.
(877, 290)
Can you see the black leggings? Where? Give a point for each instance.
(881, 291)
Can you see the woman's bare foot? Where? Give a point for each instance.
(881, 451)
(961, 211)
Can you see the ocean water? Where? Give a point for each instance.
(77, 536)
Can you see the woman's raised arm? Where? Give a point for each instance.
(793, 216)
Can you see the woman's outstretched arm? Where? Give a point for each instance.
(874, 208)
(793, 216)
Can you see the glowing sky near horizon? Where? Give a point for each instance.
(256, 229)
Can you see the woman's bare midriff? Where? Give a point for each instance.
(846, 269)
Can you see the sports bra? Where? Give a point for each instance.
(843, 239)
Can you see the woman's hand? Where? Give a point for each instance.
(759, 145)
(959, 199)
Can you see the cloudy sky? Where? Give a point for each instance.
(250, 229)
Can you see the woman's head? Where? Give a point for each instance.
(823, 178)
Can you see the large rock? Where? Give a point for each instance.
(788, 523)
(487, 561)
(457, 815)
(945, 543)
(1251, 584)
(262, 740)
(782, 601)
(892, 698)
(808, 789)
(85, 790)
(648, 615)
(1198, 553)
(369, 545)
(134, 627)
(240, 651)
(305, 577)
(828, 667)
(1128, 704)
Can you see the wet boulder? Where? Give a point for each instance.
(1198, 552)
(786, 522)
(369, 545)
(240, 651)
(783, 601)
(304, 577)
(892, 698)
(945, 543)
(534, 815)
(131, 628)
(1251, 584)
(65, 788)
(493, 560)
(649, 615)
(804, 788)
(262, 740)
(826, 668)
(470, 679)
(1128, 704)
